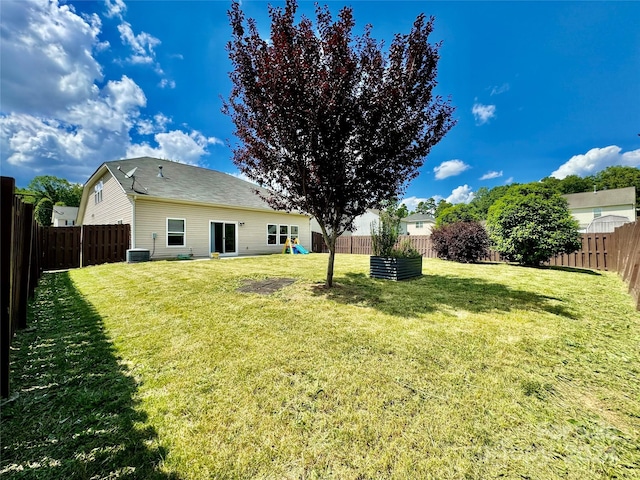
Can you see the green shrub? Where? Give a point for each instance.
(405, 250)
(385, 234)
(531, 224)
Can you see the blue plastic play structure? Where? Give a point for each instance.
(300, 249)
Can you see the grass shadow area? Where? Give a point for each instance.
(584, 271)
(431, 293)
(72, 413)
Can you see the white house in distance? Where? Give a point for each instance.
(603, 210)
(64, 216)
(362, 224)
(420, 224)
(178, 209)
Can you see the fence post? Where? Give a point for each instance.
(7, 188)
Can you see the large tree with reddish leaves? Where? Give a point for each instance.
(330, 123)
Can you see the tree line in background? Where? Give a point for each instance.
(478, 209)
(47, 191)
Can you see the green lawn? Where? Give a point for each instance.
(166, 370)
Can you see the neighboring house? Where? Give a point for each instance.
(618, 204)
(362, 224)
(64, 216)
(177, 209)
(420, 224)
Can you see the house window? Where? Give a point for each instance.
(69, 222)
(419, 224)
(272, 234)
(176, 232)
(597, 212)
(284, 233)
(97, 192)
(294, 233)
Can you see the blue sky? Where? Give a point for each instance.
(541, 88)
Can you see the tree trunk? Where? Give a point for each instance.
(332, 255)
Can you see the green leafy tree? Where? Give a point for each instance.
(461, 212)
(442, 205)
(485, 197)
(531, 224)
(329, 122)
(569, 184)
(58, 190)
(403, 212)
(43, 211)
(619, 177)
(428, 207)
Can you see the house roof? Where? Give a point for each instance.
(420, 217)
(602, 198)
(64, 212)
(184, 182)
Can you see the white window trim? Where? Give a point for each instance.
(281, 234)
(97, 192)
(183, 233)
(274, 234)
(278, 234)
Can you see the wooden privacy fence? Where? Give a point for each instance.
(618, 251)
(72, 247)
(20, 269)
(27, 249)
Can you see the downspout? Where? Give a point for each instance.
(133, 222)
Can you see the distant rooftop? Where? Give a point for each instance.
(602, 198)
(420, 217)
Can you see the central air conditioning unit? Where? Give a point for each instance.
(137, 255)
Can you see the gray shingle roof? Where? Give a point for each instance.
(602, 198)
(185, 182)
(420, 217)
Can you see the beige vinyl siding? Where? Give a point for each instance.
(151, 217)
(115, 206)
(412, 229)
(584, 216)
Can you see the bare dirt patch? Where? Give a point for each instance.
(265, 287)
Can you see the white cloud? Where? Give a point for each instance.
(175, 145)
(497, 90)
(61, 121)
(450, 168)
(115, 8)
(461, 194)
(142, 44)
(491, 174)
(48, 48)
(164, 83)
(597, 159)
(508, 181)
(412, 202)
(483, 113)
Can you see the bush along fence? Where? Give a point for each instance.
(618, 251)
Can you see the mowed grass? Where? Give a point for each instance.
(472, 371)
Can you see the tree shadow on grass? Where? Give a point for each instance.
(72, 413)
(431, 293)
(584, 271)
